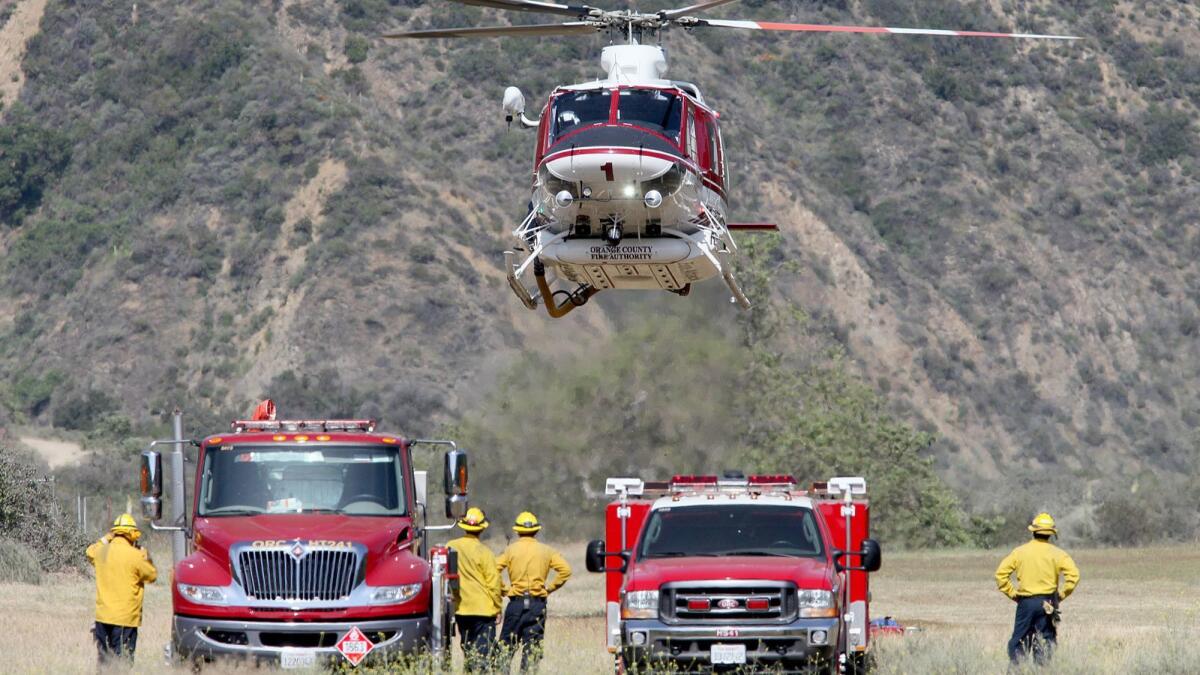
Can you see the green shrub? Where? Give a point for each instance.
(18, 564)
(357, 47)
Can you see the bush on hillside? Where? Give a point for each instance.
(31, 157)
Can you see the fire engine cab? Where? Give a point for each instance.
(724, 572)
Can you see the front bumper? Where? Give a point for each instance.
(690, 644)
(267, 640)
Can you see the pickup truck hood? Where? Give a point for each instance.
(805, 572)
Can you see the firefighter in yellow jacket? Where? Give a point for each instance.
(477, 601)
(1037, 565)
(529, 563)
(122, 571)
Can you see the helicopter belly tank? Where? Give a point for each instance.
(641, 263)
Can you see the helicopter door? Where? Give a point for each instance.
(693, 150)
(708, 148)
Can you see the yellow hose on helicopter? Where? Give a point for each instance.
(576, 299)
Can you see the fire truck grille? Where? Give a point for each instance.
(318, 575)
(730, 601)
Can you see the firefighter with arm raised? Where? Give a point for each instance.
(1038, 565)
(122, 571)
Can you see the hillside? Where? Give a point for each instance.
(206, 202)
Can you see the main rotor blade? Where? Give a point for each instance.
(572, 28)
(532, 6)
(817, 28)
(698, 7)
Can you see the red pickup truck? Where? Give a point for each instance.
(727, 572)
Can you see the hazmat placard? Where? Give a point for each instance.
(355, 646)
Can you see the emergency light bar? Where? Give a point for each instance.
(772, 479)
(690, 479)
(240, 426)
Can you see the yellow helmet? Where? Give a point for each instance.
(126, 526)
(475, 520)
(527, 523)
(1043, 524)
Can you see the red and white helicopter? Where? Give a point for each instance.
(629, 185)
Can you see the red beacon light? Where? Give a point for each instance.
(685, 481)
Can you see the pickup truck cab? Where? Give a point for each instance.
(724, 573)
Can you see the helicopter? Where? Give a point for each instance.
(630, 181)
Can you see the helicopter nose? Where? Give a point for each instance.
(614, 173)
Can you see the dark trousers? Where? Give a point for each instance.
(114, 641)
(524, 628)
(476, 635)
(1033, 631)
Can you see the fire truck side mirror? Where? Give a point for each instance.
(872, 555)
(456, 506)
(151, 485)
(594, 560)
(456, 474)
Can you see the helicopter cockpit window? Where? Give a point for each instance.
(580, 108)
(652, 109)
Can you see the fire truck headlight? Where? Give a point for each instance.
(563, 199)
(817, 604)
(654, 199)
(203, 595)
(640, 605)
(394, 595)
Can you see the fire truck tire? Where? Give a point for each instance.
(859, 663)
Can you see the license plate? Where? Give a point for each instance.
(297, 658)
(732, 654)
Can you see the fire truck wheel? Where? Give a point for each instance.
(859, 663)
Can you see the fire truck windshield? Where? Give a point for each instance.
(651, 109)
(731, 529)
(350, 480)
(580, 108)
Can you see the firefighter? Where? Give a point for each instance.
(529, 563)
(123, 568)
(1038, 565)
(477, 599)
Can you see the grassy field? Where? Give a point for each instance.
(1136, 611)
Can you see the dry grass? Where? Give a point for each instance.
(1135, 612)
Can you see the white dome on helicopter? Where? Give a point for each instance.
(634, 64)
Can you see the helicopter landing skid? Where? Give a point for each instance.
(510, 266)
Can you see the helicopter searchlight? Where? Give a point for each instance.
(630, 179)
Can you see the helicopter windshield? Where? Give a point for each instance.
(580, 108)
(652, 109)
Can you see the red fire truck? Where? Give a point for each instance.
(301, 532)
(723, 572)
